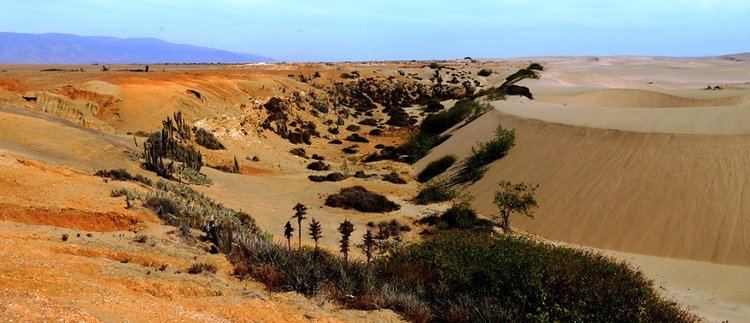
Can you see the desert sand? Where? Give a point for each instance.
(633, 156)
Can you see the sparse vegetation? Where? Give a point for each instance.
(198, 268)
(485, 72)
(360, 199)
(181, 206)
(436, 167)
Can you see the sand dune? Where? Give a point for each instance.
(662, 194)
(635, 98)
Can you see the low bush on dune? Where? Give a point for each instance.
(207, 139)
(434, 192)
(459, 216)
(474, 167)
(485, 72)
(360, 199)
(436, 167)
(437, 123)
(123, 175)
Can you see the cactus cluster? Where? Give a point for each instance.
(168, 144)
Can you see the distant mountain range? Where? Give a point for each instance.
(18, 48)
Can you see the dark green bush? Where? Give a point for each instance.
(436, 168)
(470, 276)
(360, 199)
(207, 139)
(485, 72)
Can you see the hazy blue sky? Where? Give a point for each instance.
(409, 29)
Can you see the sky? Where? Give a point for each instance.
(338, 30)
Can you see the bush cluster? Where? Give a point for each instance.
(472, 276)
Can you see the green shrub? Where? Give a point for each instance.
(459, 216)
(470, 276)
(434, 192)
(207, 139)
(436, 167)
(474, 167)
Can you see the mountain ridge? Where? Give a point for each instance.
(58, 48)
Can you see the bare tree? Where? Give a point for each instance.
(515, 198)
(299, 214)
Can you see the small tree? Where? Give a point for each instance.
(316, 232)
(346, 228)
(288, 233)
(368, 242)
(515, 198)
(299, 213)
